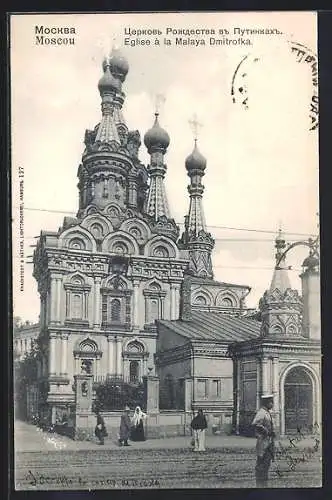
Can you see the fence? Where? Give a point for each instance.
(114, 393)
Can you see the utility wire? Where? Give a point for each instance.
(182, 223)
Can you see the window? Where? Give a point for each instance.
(154, 310)
(77, 306)
(77, 244)
(200, 299)
(86, 366)
(116, 310)
(215, 388)
(201, 388)
(227, 302)
(161, 251)
(133, 371)
(120, 248)
(169, 385)
(97, 230)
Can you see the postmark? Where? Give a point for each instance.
(240, 90)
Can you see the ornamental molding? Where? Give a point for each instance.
(211, 351)
(77, 287)
(279, 299)
(165, 226)
(275, 349)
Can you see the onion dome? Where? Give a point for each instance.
(108, 83)
(156, 137)
(195, 161)
(118, 65)
(310, 262)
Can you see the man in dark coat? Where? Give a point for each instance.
(125, 427)
(199, 424)
(100, 429)
(265, 435)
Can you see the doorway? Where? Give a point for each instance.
(298, 401)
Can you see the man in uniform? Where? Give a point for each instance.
(265, 435)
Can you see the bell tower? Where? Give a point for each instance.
(195, 238)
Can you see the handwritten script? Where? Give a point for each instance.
(36, 479)
(292, 454)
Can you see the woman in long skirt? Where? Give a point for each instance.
(137, 422)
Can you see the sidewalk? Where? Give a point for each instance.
(29, 438)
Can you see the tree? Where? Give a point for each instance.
(17, 322)
(25, 375)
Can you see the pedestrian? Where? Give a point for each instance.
(100, 429)
(199, 424)
(137, 429)
(125, 427)
(263, 425)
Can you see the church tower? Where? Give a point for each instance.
(111, 171)
(108, 274)
(195, 238)
(281, 306)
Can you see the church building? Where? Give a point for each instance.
(123, 294)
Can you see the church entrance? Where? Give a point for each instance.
(298, 401)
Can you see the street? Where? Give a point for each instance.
(51, 462)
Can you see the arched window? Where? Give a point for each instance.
(134, 371)
(77, 244)
(227, 302)
(161, 251)
(77, 306)
(97, 230)
(120, 248)
(116, 310)
(201, 300)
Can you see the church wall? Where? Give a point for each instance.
(211, 367)
(103, 364)
(168, 339)
(177, 369)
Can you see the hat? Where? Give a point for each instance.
(267, 396)
(127, 408)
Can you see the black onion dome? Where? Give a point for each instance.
(310, 262)
(107, 83)
(118, 65)
(195, 160)
(156, 136)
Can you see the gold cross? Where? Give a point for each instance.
(159, 100)
(105, 44)
(194, 124)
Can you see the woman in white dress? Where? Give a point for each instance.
(137, 422)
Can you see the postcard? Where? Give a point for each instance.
(166, 263)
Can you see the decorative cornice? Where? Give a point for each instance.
(262, 346)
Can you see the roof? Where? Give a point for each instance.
(280, 279)
(212, 282)
(215, 327)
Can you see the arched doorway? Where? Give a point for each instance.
(298, 400)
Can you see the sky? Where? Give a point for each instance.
(262, 162)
